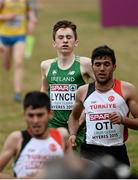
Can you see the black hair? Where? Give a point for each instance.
(36, 99)
(103, 52)
(64, 24)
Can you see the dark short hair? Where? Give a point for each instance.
(36, 99)
(103, 51)
(65, 24)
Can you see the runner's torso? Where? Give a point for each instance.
(99, 129)
(18, 25)
(35, 152)
(62, 87)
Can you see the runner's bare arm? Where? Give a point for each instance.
(74, 117)
(32, 19)
(88, 76)
(10, 149)
(82, 118)
(86, 69)
(45, 65)
(131, 94)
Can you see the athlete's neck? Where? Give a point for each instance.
(104, 87)
(45, 135)
(64, 62)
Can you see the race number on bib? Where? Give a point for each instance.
(62, 96)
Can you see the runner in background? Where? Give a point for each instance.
(15, 17)
(62, 75)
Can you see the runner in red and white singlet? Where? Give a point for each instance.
(107, 103)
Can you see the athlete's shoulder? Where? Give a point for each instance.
(45, 64)
(63, 131)
(128, 89)
(125, 84)
(14, 139)
(85, 61)
(84, 58)
(86, 69)
(16, 135)
(60, 135)
(81, 92)
(83, 87)
(65, 135)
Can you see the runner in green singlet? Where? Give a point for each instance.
(62, 75)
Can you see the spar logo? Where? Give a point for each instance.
(63, 87)
(59, 87)
(98, 117)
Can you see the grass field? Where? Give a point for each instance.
(86, 14)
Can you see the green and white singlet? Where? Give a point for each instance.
(62, 87)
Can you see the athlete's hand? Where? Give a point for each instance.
(116, 118)
(72, 141)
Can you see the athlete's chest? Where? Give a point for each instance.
(45, 148)
(34, 154)
(68, 76)
(104, 102)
